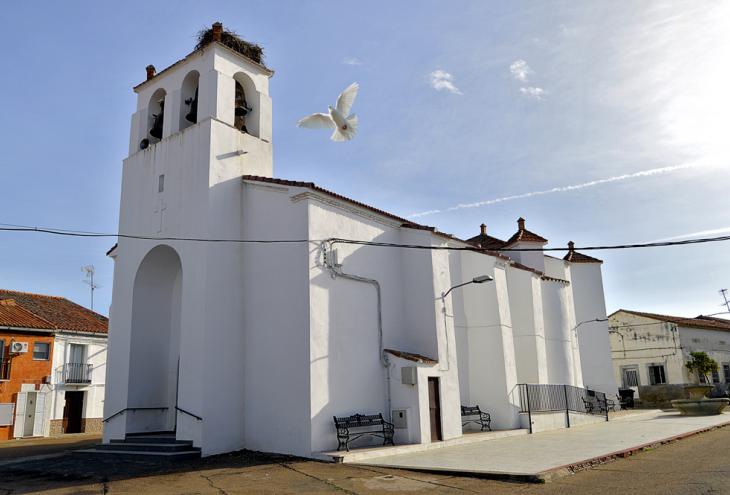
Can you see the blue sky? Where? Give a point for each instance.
(460, 103)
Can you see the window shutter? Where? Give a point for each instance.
(40, 414)
(20, 414)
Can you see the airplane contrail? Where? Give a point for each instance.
(701, 233)
(559, 189)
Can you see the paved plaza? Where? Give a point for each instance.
(548, 454)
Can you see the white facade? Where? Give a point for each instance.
(78, 367)
(642, 342)
(258, 345)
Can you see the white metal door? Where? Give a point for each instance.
(29, 414)
(20, 414)
(40, 414)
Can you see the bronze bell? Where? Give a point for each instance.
(156, 131)
(192, 115)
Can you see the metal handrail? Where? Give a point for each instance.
(134, 409)
(560, 398)
(189, 413)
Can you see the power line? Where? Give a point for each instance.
(335, 240)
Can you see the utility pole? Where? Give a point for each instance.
(90, 270)
(724, 296)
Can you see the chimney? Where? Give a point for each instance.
(217, 31)
(571, 246)
(150, 71)
(483, 229)
(521, 223)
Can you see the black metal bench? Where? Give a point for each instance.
(473, 414)
(593, 405)
(373, 425)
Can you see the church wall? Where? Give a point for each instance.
(593, 337)
(274, 381)
(482, 315)
(346, 371)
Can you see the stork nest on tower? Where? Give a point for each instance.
(234, 42)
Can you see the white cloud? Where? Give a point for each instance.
(520, 70)
(442, 80)
(533, 92)
(561, 189)
(351, 61)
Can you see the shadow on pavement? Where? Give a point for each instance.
(71, 470)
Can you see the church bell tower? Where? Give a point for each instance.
(200, 122)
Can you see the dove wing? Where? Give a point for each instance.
(317, 121)
(347, 98)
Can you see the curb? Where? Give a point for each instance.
(575, 467)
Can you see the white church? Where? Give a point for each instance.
(258, 345)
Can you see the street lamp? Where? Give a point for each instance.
(476, 280)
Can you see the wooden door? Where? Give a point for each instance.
(72, 412)
(434, 406)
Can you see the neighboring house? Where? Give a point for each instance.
(652, 349)
(258, 345)
(52, 366)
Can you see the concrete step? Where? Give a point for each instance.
(146, 446)
(193, 453)
(151, 440)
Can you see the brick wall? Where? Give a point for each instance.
(23, 369)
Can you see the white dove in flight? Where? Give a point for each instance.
(338, 118)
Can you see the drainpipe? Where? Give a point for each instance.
(336, 270)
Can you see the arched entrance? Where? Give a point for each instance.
(155, 342)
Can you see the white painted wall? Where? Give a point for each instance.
(593, 337)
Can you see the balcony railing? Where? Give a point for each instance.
(75, 373)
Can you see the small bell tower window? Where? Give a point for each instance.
(156, 115)
(189, 96)
(241, 110)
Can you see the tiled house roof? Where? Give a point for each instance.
(27, 310)
(705, 322)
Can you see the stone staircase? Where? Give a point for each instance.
(158, 446)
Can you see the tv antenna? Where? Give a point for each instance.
(90, 270)
(727, 302)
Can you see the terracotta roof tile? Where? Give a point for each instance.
(553, 279)
(485, 240)
(410, 356)
(524, 235)
(56, 313)
(12, 315)
(575, 257)
(705, 322)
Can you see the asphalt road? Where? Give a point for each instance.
(695, 465)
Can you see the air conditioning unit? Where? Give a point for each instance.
(18, 347)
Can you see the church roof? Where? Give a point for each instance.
(404, 223)
(28, 310)
(485, 240)
(575, 257)
(524, 235)
(311, 185)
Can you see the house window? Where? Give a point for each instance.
(41, 351)
(4, 363)
(715, 376)
(726, 372)
(656, 374)
(630, 377)
(703, 379)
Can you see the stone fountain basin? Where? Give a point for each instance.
(700, 407)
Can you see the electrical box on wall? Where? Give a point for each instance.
(400, 418)
(409, 375)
